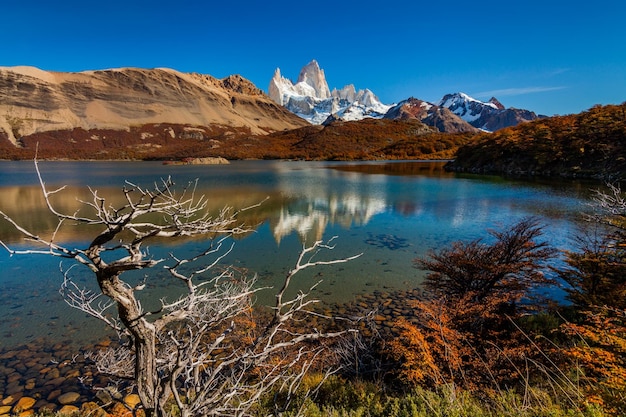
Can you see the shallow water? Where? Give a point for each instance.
(391, 212)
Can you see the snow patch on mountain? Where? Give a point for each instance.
(429, 114)
(488, 116)
(311, 99)
(466, 107)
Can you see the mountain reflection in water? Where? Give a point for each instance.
(391, 212)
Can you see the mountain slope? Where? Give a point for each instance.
(432, 115)
(489, 116)
(34, 101)
(367, 139)
(311, 98)
(591, 144)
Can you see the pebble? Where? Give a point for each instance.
(104, 397)
(24, 403)
(69, 409)
(120, 410)
(53, 394)
(68, 398)
(40, 377)
(92, 409)
(8, 400)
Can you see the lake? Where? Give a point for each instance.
(392, 212)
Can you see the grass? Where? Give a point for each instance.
(337, 397)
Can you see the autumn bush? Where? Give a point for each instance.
(465, 329)
(481, 327)
(598, 350)
(596, 322)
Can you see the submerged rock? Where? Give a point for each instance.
(68, 398)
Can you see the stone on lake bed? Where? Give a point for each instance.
(5, 409)
(69, 409)
(14, 388)
(72, 373)
(24, 403)
(14, 377)
(104, 397)
(68, 398)
(53, 394)
(48, 407)
(55, 382)
(53, 373)
(8, 400)
(92, 409)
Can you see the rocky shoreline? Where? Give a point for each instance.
(41, 376)
(217, 160)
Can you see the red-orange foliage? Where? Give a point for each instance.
(596, 273)
(589, 144)
(365, 139)
(432, 352)
(506, 270)
(464, 331)
(599, 350)
(596, 276)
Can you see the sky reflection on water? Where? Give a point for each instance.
(390, 212)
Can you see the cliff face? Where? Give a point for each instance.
(34, 101)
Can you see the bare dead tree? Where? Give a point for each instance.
(205, 352)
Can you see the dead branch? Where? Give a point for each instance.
(206, 350)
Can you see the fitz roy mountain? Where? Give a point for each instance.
(311, 98)
(489, 116)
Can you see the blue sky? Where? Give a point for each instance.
(550, 56)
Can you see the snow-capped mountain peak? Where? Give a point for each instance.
(489, 116)
(311, 99)
(312, 75)
(465, 106)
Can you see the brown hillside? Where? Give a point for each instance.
(591, 144)
(33, 101)
(365, 139)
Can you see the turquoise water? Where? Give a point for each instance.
(390, 212)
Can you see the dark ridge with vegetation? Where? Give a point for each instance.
(371, 139)
(586, 145)
(358, 140)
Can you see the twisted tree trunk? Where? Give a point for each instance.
(143, 335)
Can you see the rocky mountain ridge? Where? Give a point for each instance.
(310, 97)
(430, 114)
(487, 116)
(34, 101)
